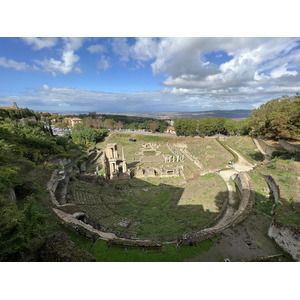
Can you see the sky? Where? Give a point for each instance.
(146, 74)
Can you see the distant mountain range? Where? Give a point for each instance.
(230, 114)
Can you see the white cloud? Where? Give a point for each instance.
(121, 48)
(282, 71)
(255, 62)
(40, 43)
(10, 63)
(73, 43)
(104, 63)
(144, 49)
(97, 48)
(64, 66)
(68, 59)
(48, 98)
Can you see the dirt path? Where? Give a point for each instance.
(242, 165)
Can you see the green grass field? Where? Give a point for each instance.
(209, 153)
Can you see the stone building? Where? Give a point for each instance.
(115, 166)
(73, 121)
(171, 130)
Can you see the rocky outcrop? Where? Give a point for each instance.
(286, 238)
(289, 147)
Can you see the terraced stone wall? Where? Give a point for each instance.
(267, 148)
(289, 147)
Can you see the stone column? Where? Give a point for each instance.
(124, 167)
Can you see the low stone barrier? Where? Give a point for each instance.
(288, 146)
(287, 238)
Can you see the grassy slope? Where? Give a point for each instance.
(246, 147)
(285, 173)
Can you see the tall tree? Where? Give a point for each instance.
(278, 118)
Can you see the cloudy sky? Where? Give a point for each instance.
(147, 74)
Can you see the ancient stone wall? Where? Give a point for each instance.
(289, 147)
(267, 148)
(61, 161)
(286, 238)
(56, 177)
(11, 195)
(274, 188)
(247, 197)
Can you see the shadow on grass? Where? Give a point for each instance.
(257, 156)
(137, 208)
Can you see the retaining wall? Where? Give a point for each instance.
(267, 148)
(274, 188)
(289, 147)
(286, 238)
(52, 184)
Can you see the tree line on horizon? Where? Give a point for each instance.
(278, 118)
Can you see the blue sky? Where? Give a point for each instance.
(147, 74)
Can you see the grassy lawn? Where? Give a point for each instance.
(246, 147)
(209, 153)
